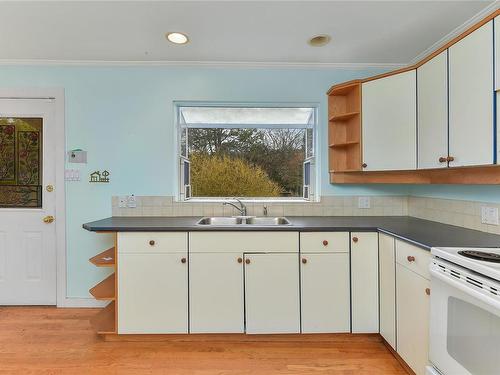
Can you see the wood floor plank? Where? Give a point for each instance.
(50, 341)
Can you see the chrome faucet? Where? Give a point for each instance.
(242, 209)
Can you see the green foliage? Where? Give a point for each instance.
(224, 176)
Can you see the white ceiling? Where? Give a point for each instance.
(363, 32)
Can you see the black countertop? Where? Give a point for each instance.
(423, 233)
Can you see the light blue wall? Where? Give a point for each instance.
(482, 193)
(123, 117)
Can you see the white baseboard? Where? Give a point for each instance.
(81, 302)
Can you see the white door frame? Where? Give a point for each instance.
(58, 95)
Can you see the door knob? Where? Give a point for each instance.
(49, 188)
(355, 239)
(450, 158)
(442, 159)
(325, 243)
(247, 261)
(304, 260)
(240, 260)
(48, 219)
(428, 291)
(183, 260)
(410, 258)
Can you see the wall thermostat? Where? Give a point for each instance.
(77, 156)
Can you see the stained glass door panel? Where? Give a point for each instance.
(21, 162)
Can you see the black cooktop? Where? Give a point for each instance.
(480, 255)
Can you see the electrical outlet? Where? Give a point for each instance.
(122, 202)
(72, 175)
(131, 201)
(489, 215)
(364, 202)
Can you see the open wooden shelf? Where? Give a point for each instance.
(344, 127)
(104, 259)
(105, 290)
(104, 322)
(344, 116)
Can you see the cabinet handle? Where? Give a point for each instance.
(240, 260)
(325, 243)
(355, 239)
(450, 158)
(364, 165)
(151, 243)
(442, 159)
(304, 260)
(247, 261)
(410, 258)
(428, 291)
(183, 260)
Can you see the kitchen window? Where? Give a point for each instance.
(255, 152)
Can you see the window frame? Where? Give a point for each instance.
(180, 188)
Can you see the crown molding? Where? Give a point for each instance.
(456, 32)
(211, 64)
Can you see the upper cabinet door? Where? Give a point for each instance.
(432, 93)
(471, 99)
(497, 53)
(389, 122)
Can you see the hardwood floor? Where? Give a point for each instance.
(46, 340)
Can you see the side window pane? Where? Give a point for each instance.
(21, 162)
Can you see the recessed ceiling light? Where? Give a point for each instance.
(319, 40)
(177, 38)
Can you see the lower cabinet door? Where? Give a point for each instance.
(412, 318)
(325, 293)
(216, 302)
(153, 293)
(387, 274)
(272, 293)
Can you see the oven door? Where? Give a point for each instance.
(464, 322)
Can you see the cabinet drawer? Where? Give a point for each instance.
(413, 258)
(324, 242)
(246, 242)
(152, 242)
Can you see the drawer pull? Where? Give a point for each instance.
(240, 260)
(183, 260)
(304, 260)
(247, 261)
(428, 291)
(410, 258)
(325, 243)
(355, 239)
(152, 243)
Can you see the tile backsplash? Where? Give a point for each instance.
(328, 206)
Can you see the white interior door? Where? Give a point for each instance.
(27, 171)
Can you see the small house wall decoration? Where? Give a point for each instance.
(100, 177)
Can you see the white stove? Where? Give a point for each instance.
(464, 336)
(485, 261)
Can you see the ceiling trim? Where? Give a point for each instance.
(216, 64)
(456, 32)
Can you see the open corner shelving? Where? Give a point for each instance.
(105, 321)
(344, 127)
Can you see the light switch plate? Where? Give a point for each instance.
(364, 202)
(122, 201)
(131, 201)
(72, 175)
(489, 215)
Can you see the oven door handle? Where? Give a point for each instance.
(470, 291)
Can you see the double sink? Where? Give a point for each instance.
(250, 220)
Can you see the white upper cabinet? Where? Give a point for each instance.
(432, 94)
(471, 99)
(389, 120)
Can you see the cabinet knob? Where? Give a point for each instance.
(450, 158)
(428, 291)
(410, 258)
(152, 243)
(325, 243)
(247, 261)
(442, 159)
(364, 165)
(304, 260)
(240, 260)
(355, 239)
(183, 260)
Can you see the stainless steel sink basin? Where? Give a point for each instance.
(268, 221)
(220, 221)
(264, 221)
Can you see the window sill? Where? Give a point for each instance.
(247, 200)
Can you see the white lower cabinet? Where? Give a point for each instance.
(387, 274)
(153, 293)
(364, 282)
(325, 292)
(216, 302)
(412, 318)
(272, 301)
